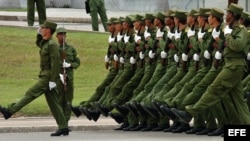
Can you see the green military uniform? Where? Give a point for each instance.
(69, 55)
(127, 72)
(228, 81)
(112, 72)
(41, 10)
(149, 35)
(49, 73)
(98, 7)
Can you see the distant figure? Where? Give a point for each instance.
(41, 9)
(97, 7)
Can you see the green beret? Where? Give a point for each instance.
(235, 8)
(49, 24)
(216, 12)
(160, 16)
(149, 16)
(193, 12)
(245, 15)
(203, 12)
(61, 30)
(170, 13)
(180, 14)
(111, 20)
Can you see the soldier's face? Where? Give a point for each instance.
(137, 25)
(229, 17)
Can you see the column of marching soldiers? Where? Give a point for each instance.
(164, 61)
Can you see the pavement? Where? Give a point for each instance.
(71, 19)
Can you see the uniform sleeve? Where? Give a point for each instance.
(237, 42)
(76, 61)
(54, 60)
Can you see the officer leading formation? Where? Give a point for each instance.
(165, 70)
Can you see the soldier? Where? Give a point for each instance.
(228, 81)
(41, 10)
(70, 61)
(127, 90)
(98, 95)
(98, 7)
(48, 79)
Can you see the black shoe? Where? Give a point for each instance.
(124, 125)
(182, 115)
(184, 127)
(194, 130)
(205, 131)
(6, 113)
(173, 127)
(94, 114)
(222, 135)
(157, 106)
(132, 109)
(167, 112)
(129, 127)
(60, 132)
(161, 127)
(75, 110)
(216, 132)
(150, 127)
(139, 108)
(117, 117)
(139, 127)
(102, 109)
(86, 113)
(151, 111)
(122, 109)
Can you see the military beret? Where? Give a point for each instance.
(203, 12)
(193, 12)
(61, 30)
(49, 24)
(170, 13)
(235, 8)
(148, 16)
(160, 16)
(180, 14)
(216, 12)
(111, 20)
(245, 15)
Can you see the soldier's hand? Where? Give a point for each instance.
(66, 65)
(106, 58)
(227, 30)
(164, 54)
(207, 55)
(215, 34)
(52, 85)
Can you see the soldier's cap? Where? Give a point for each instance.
(216, 12)
(180, 14)
(203, 12)
(128, 19)
(49, 24)
(160, 16)
(245, 15)
(111, 20)
(136, 17)
(170, 13)
(193, 13)
(148, 16)
(61, 30)
(235, 8)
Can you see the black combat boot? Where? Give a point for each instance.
(64, 132)
(6, 113)
(75, 110)
(117, 117)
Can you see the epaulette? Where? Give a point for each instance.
(187, 28)
(241, 26)
(51, 42)
(210, 30)
(248, 30)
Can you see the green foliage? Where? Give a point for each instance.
(20, 66)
